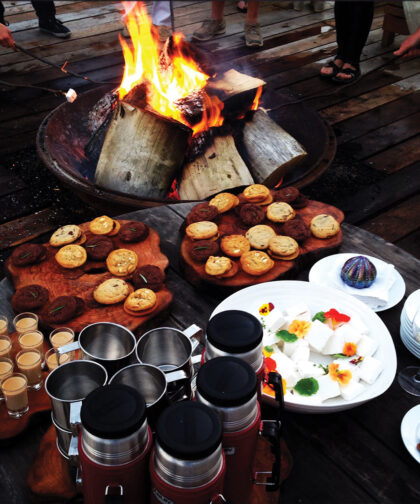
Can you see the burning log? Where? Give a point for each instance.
(270, 152)
(141, 153)
(219, 168)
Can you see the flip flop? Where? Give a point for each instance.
(335, 71)
(354, 76)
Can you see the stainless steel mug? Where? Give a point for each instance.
(68, 385)
(109, 344)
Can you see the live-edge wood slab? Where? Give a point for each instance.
(312, 248)
(83, 280)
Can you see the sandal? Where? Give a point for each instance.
(336, 69)
(242, 6)
(354, 76)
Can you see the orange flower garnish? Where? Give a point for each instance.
(350, 349)
(299, 327)
(266, 308)
(342, 376)
(269, 391)
(270, 364)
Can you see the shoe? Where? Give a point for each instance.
(54, 27)
(318, 6)
(335, 70)
(209, 29)
(354, 76)
(298, 6)
(253, 37)
(242, 6)
(163, 32)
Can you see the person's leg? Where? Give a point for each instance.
(253, 36)
(161, 13)
(217, 9)
(44, 9)
(252, 12)
(48, 23)
(214, 26)
(2, 21)
(341, 28)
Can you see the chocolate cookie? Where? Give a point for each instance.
(296, 229)
(301, 201)
(251, 214)
(202, 212)
(30, 297)
(133, 231)
(98, 247)
(286, 194)
(63, 309)
(201, 250)
(149, 277)
(28, 253)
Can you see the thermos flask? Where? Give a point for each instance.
(228, 385)
(187, 465)
(114, 446)
(239, 334)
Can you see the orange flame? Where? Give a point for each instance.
(177, 79)
(256, 101)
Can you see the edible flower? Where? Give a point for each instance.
(349, 349)
(335, 318)
(268, 389)
(266, 308)
(342, 376)
(270, 364)
(299, 327)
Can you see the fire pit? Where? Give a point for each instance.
(169, 119)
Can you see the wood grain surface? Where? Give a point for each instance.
(83, 280)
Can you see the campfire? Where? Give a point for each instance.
(174, 126)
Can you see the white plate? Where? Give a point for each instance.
(286, 293)
(410, 431)
(321, 268)
(409, 346)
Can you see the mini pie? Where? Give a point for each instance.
(140, 301)
(65, 235)
(224, 202)
(122, 262)
(203, 230)
(71, 256)
(234, 245)
(256, 193)
(280, 212)
(259, 236)
(324, 226)
(283, 248)
(112, 291)
(256, 262)
(101, 225)
(217, 265)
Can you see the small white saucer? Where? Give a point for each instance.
(410, 431)
(321, 268)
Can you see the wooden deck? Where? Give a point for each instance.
(376, 121)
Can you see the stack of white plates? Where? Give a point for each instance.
(411, 306)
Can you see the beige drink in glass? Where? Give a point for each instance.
(32, 340)
(61, 336)
(15, 392)
(26, 322)
(4, 325)
(52, 360)
(6, 369)
(5, 346)
(29, 363)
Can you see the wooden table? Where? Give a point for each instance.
(353, 457)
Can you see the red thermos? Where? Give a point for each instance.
(239, 334)
(114, 446)
(229, 386)
(187, 465)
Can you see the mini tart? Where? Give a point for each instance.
(224, 202)
(280, 212)
(71, 256)
(324, 226)
(283, 248)
(122, 262)
(65, 235)
(115, 230)
(203, 230)
(217, 265)
(259, 236)
(234, 245)
(101, 225)
(113, 290)
(256, 263)
(140, 301)
(256, 193)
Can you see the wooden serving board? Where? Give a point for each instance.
(311, 249)
(38, 400)
(49, 477)
(83, 280)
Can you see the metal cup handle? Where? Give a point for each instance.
(194, 333)
(173, 376)
(73, 451)
(75, 421)
(70, 347)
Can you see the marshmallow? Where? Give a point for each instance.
(352, 390)
(328, 388)
(318, 336)
(301, 353)
(275, 321)
(297, 312)
(370, 368)
(334, 345)
(71, 95)
(357, 324)
(308, 369)
(286, 367)
(367, 346)
(349, 334)
(289, 348)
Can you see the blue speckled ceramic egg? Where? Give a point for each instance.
(358, 272)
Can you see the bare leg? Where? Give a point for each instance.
(252, 12)
(217, 10)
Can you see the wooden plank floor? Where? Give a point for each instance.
(374, 179)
